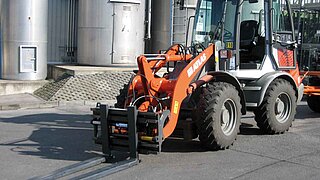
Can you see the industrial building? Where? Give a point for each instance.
(41, 39)
(37, 33)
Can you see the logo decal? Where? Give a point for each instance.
(196, 65)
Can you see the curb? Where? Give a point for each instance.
(52, 104)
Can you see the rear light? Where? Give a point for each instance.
(225, 54)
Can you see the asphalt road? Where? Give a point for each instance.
(36, 142)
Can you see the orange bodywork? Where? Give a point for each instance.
(149, 86)
(295, 73)
(311, 90)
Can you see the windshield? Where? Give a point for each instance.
(210, 21)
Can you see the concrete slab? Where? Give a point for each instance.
(24, 98)
(8, 87)
(24, 101)
(56, 71)
(29, 101)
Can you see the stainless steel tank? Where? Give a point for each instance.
(170, 22)
(110, 33)
(24, 39)
(161, 24)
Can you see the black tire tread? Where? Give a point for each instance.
(263, 118)
(314, 103)
(207, 106)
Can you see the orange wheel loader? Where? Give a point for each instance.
(242, 58)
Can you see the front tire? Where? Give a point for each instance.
(219, 113)
(277, 111)
(314, 103)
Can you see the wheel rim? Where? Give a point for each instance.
(228, 117)
(283, 107)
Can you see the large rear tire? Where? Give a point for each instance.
(219, 113)
(314, 103)
(277, 111)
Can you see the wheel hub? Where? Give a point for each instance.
(228, 117)
(283, 107)
(279, 106)
(225, 116)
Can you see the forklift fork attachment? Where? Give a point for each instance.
(132, 131)
(132, 121)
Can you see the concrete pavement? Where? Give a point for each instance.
(30, 101)
(36, 142)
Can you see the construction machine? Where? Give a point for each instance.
(308, 21)
(242, 58)
(312, 89)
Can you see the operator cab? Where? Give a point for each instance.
(258, 33)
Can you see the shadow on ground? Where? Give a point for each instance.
(56, 136)
(304, 112)
(249, 129)
(179, 145)
(69, 136)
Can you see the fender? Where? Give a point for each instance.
(255, 91)
(222, 76)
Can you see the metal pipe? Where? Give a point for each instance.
(301, 31)
(223, 21)
(268, 21)
(71, 22)
(149, 19)
(155, 58)
(172, 21)
(68, 22)
(154, 55)
(73, 26)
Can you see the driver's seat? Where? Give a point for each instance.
(248, 34)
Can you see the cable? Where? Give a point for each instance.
(148, 96)
(133, 92)
(152, 96)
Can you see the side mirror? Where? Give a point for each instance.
(253, 1)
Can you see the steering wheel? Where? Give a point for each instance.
(197, 48)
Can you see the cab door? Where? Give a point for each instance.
(284, 44)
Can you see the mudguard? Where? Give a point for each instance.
(256, 90)
(229, 78)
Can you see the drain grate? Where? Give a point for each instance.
(93, 87)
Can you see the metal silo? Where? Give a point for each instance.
(161, 24)
(170, 22)
(110, 33)
(24, 39)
